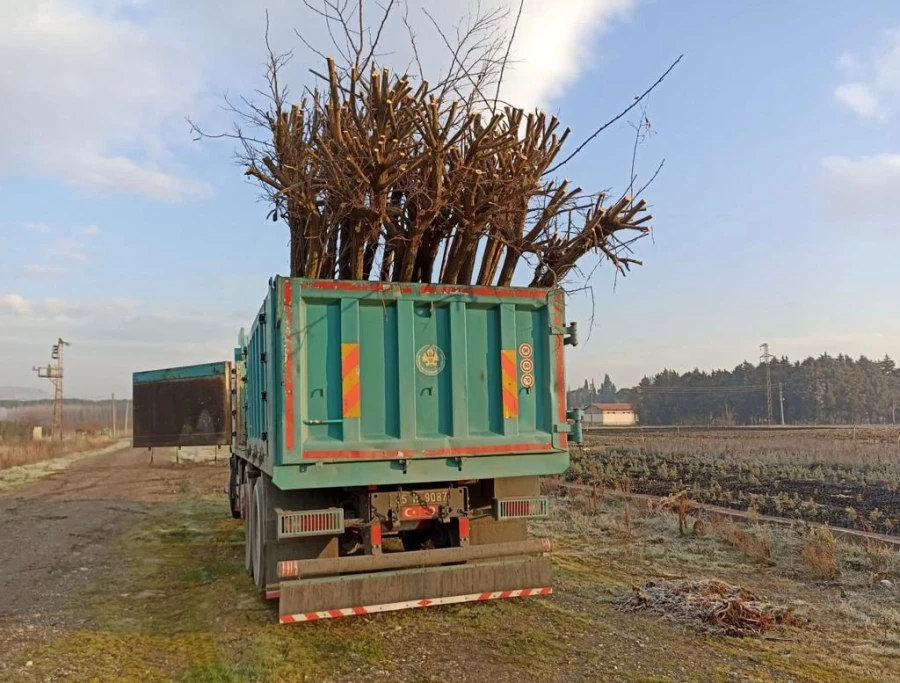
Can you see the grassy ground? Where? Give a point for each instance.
(180, 607)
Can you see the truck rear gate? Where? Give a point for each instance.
(356, 411)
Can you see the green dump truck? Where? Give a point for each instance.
(387, 440)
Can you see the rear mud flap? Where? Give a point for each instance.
(359, 594)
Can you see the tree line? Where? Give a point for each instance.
(823, 390)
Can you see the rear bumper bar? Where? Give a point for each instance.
(309, 599)
(394, 606)
(295, 569)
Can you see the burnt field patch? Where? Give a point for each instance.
(847, 478)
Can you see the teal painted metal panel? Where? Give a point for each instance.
(341, 376)
(202, 371)
(388, 472)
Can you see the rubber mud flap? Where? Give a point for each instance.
(391, 589)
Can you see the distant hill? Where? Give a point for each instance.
(23, 394)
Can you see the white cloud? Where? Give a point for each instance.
(864, 188)
(89, 86)
(43, 270)
(862, 99)
(14, 303)
(872, 88)
(38, 227)
(66, 249)
(552, 47)
(101, 88)
(91, 230)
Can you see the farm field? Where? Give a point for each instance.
(842, 477)
(139, 577)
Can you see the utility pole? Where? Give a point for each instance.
(127, 408)
(765, 358)
(781, 400)
(114, 416)
(55, 374)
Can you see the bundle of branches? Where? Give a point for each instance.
(389, 177)
(714, 605)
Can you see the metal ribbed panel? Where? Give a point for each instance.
(521, 508)
(309, 523)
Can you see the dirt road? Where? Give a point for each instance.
(57, 533)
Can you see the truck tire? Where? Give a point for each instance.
(248, 523)
(234, 488)
(258, 536)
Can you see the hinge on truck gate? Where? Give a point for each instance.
(568, 332)
(262, 357)
(262, 318)
(264, 396)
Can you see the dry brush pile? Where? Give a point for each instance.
(715, 606)
(387, 176)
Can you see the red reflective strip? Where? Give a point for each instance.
(335, 613)
(429, 453)
(287, 619)
(359, 611)
(350, 361)
(509, 374)
(351, 400)
(463, 527)
(311, 616)
(485, 596)
(508, 362)
(350, 390)
(376, 534)
(545, 591)
(288, 366)
(505, 594)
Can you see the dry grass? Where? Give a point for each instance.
(21, 451)
(823, 554)
(754, 543)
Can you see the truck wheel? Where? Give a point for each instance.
(234, 486)
(258, 536)
(248, 522)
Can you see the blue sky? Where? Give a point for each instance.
(774, 212)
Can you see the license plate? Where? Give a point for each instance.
(434, 497)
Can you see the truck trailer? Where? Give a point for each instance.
(387, 440)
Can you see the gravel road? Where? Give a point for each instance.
(57, 532)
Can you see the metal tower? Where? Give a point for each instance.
(55, 374)
(766, 357)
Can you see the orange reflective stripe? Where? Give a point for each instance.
(350, 375)
(509, 376)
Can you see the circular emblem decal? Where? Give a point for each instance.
(527, 365)
(430, 360)
(528, 381)
(525, 350)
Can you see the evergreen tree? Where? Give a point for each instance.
(823, 390)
